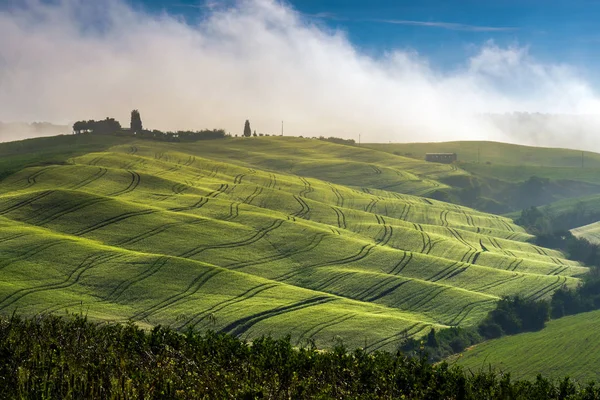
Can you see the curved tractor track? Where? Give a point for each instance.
(261, 233)
(197, 318)
(32, 251)
(70, 280)
(135, 181)
(304, 208)
(26, 202)
(360, 255)
(314, 243)
(242, 325)
(341, 218)
(190, 290)
(113, 220)
(98, 175)
(316, 329)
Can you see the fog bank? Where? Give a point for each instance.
(18, 131)
(263, 61)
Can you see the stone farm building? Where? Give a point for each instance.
(446, 158)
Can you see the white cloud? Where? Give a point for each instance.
(260, 60)
(453, 26)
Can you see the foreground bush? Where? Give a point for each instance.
(48, 357)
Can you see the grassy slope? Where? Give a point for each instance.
(509, 162)
(516, 173)
(585, 204)
(589, 203)
(497, 153)
(346, 165)
(568, 346)
(589, 232)
(53, 150)
(227, 235)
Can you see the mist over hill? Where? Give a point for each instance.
(22, 130)
(533, 129)
(263, 60)
(554, 130)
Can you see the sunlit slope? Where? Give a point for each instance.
(159, 234)
(52, 150)
(353, 166)
(568, 346)
(112, 283)
(589, 232)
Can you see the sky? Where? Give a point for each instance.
(448, 31)
(388, 70)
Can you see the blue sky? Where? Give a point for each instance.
(446, 32)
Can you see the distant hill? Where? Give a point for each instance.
(496, 153)
(501, 173)
(253, 236)
(573, 214)
(568, 346)
(17, 155)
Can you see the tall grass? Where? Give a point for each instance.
(49, 357)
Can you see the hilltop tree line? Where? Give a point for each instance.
(110, 126)
(49, 357)
(106, 126)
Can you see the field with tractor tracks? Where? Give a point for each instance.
(258, 236)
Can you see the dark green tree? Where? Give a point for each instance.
(431, 339)
(136, 121)
(106, 126)
(247, 130)
(79, 127)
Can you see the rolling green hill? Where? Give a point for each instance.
(568, 346)
(52, 150)
(505, 154)
(504, 178)
(257, 236)
(508, 162)
(345, 165)
(520, 173)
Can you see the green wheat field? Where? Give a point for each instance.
(568, 346)
(256, 236)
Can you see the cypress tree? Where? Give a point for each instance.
(136, 121)
(247, 130)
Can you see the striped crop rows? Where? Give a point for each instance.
(158, 235)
